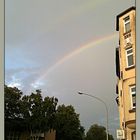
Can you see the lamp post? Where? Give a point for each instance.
(105, 108)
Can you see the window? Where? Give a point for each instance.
(134, 135)
(127, 24)
(133, 96)
(129, 57)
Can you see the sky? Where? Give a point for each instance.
(63, 47)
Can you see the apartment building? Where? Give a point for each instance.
(125, 71)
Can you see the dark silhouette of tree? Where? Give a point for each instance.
(97, 132)
(68, 124)
(29, 113)
(13, 116)
(12, 102)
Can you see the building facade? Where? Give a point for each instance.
(26, 135)
(125, 71)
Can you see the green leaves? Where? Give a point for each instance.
(33, 113)
(97, 132)
(29, 112)
(68, 124)
(12, 102)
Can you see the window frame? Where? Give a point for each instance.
(131, 96)
(127, 55)
(127, 21)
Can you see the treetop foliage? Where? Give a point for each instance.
(35, 114)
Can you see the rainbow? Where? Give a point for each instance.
(73, 53)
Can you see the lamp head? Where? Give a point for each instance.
(80, 93)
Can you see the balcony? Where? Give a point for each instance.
(131, 124)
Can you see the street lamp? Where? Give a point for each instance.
(105, 108)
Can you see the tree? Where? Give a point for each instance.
(68, 124)
(12, 103)
(31, 113)
(13, 116)
(97, 132)
(35, 114)
(49, 110)
(38, 113)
